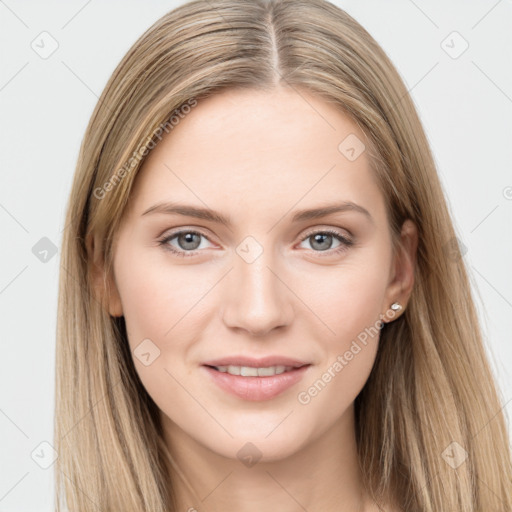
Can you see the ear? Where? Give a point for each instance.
(402, 270)
(102, 282)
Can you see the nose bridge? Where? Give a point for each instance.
(257, 300)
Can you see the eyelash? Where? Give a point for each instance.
(345, 242)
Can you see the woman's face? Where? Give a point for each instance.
(273, 282)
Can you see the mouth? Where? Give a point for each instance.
(250, 371)
(256, 381)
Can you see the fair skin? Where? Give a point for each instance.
(258, 158)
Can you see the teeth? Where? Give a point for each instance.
(234, 370)
(248, 371)
(266, 372)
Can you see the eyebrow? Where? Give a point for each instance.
(213, 216)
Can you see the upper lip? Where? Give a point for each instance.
(262, 362)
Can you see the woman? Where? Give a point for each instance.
(262, 301)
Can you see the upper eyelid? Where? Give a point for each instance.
(338, 230)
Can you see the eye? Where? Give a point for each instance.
(321, 241)
(188, 242)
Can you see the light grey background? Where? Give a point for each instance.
(465, 104)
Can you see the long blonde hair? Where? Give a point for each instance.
(431, 385)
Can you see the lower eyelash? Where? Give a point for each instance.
(345, 242)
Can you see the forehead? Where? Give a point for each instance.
(250, 149)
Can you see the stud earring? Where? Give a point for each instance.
(396, 306)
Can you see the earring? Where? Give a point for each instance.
(396, 306)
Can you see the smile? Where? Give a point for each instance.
(255, 383)
(249, 371)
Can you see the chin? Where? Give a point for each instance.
(263, 443)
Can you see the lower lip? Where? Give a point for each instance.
(256, 388)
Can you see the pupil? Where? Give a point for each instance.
(188, 239)
(318, 238)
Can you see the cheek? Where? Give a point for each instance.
(348, 300)
(145, 305)
(349, 354)
(158, 311)
(161, 303)
(158, 300)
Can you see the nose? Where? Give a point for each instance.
(257, 298)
